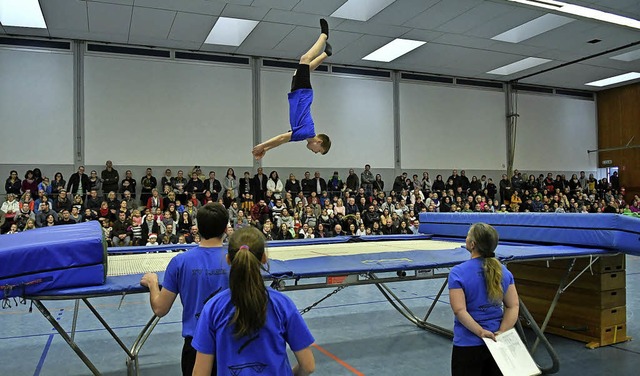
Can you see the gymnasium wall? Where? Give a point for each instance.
(618, 114)
(150, 112)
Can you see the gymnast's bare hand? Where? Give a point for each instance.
(149, 279)
(258, 152)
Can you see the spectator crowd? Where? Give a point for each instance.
(290, 208)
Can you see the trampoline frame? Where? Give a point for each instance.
(332, 280)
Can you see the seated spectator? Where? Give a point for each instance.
(49, 221)
(78, 203)
(93, 201)
(275, 185)
(154, 201)
(121, 232)
(267, 231)
(89, 215)
(240, 221)
(29, 183)
(149, 226)
(285, 232)
(75, 215)
(106, 231)
(65, 218)
(152, 240)
(45, 186)
(320, 232)
(168, 237)
(128, 184)
(23, 215)
(42, 214)
(57, 184)
(193, 235)
(63, 202)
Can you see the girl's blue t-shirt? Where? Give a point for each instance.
(469, 277)
(265, 352)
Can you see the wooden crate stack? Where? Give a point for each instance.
(591, 310)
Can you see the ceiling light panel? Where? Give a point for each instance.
(230, 31)
(361, 10)
(518, 66)
(580, 11)
(627, 56)
(615, 79)
(393, 50)
(532, 28)
(21, 13)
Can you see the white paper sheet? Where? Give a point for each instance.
(512, 355)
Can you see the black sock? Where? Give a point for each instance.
(327, 49)
(324, 27)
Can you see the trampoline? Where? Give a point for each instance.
(322, 263)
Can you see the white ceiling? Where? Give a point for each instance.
(458, 33)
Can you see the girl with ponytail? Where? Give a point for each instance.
(250, 325)
(485, 303)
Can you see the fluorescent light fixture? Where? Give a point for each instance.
(614, 80)
(518, 66)
(393, 50)
(21, 13)
(361, 10)
(627, 56)
(577, 10)
(532, 28)
(230, 31)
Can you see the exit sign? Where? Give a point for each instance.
(607, 162)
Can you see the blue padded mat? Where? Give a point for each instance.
(59, 256)
(612, 231)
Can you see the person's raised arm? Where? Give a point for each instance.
(459, 307)
(260, 149)
(511, 309)
(306, 362)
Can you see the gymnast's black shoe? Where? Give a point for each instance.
(324, 27)
(327, 49)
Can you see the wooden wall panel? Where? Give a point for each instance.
(619, 122)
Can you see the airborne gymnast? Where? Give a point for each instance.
(300, 99)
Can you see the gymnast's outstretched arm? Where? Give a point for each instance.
(260, 149)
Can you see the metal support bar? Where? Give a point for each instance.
(405, 311)
(76, 308)
(108, 328)
(555, 366)
(47, 315)
(435, 301)
(561, 287)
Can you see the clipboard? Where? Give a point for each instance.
(511, 355)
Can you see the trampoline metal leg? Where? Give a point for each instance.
(75, 319)
(540, 337)
(405, 311)
(435, 301)
(47, 315)
(552, 307)
(133, 367)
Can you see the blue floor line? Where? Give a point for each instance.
(45, 351)
(89, 330)
(44, 355)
